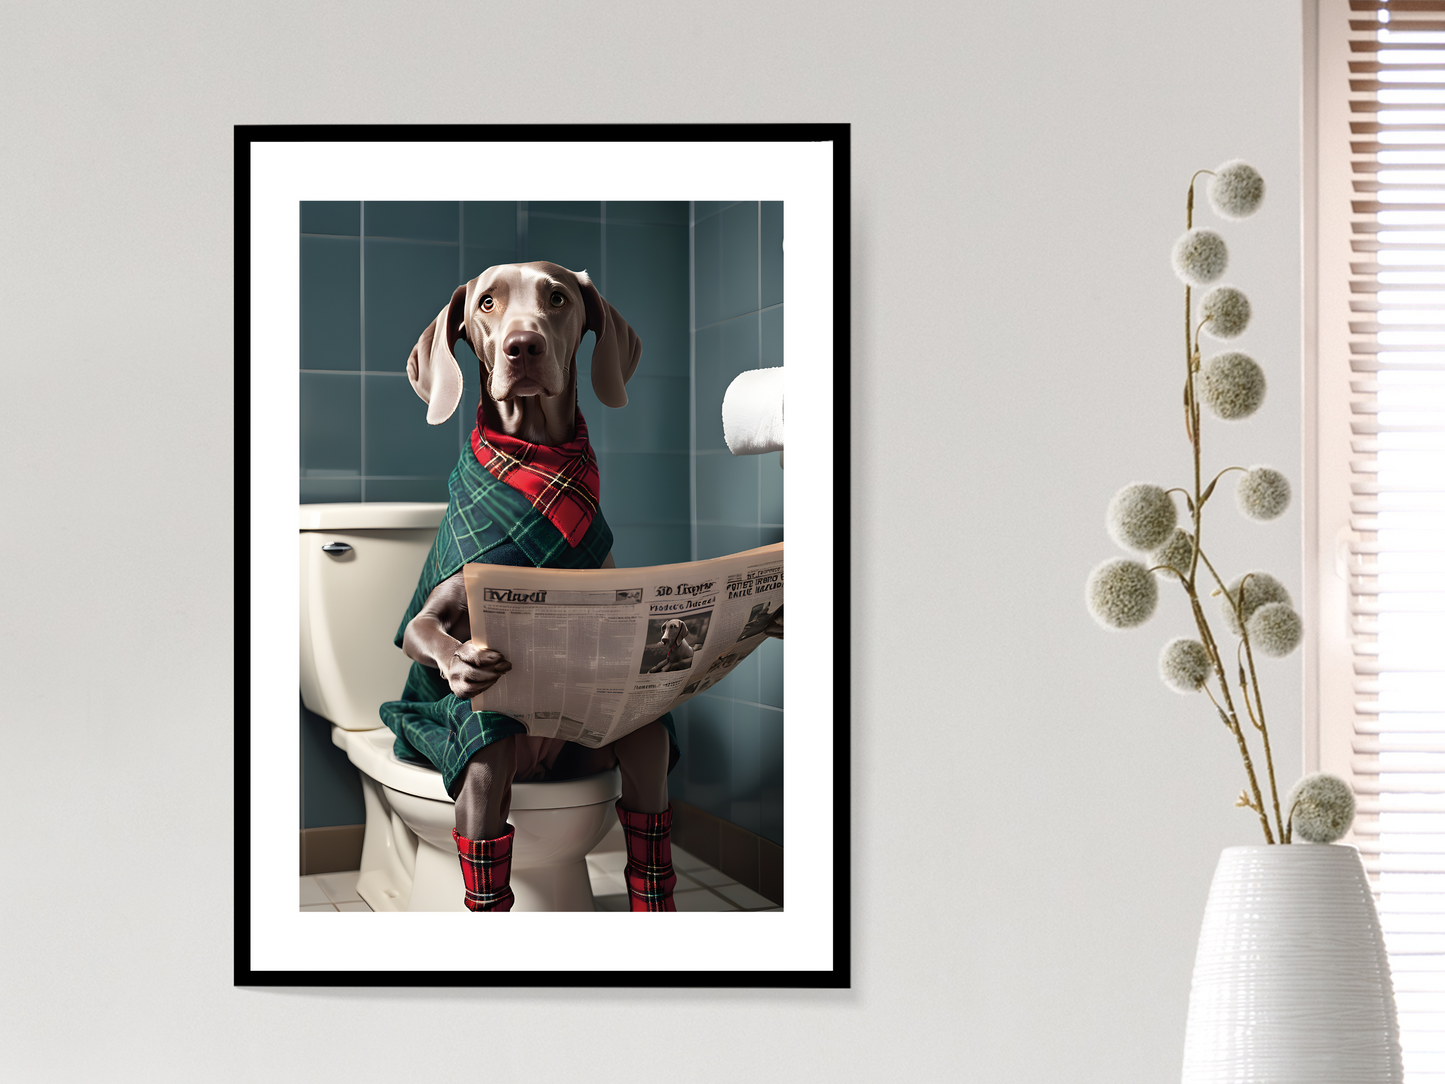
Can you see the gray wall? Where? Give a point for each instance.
(1035, 818)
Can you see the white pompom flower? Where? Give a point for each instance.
(1141, 516)
(1260, 589)
(1226, 312)
(1236, 190)
(1174, 556)
(1232, 385)
(1200, 257)
(1320, 808)
(1263, 493)
(1275, 629)
(1121, 594)
(1184, 665)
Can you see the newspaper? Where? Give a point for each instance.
(598, 653)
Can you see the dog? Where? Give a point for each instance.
(525, 323)
(677, 649)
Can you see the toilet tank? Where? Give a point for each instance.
(352, 601)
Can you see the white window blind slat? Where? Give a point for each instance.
(1391, 553)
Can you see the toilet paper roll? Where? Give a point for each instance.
(752, 412)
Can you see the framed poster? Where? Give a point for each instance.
(349, 241)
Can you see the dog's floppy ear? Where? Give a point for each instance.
(432, 367)
(614, 358)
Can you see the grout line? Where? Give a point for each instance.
(522, 240)
(602, 286)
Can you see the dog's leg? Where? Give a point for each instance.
(642, 757)
(484, 797)
(646, 818)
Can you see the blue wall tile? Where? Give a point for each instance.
(772, 344)
(770, 486)
(576, 246)
(417, 221)
(770, 673)
(772, 253)
(330, 786)
(745, 789)
(644, 487)
(721, 541)
(330, 303)
(707, 271)
(477, 259)
(727, 488)
(672, 213)
(571, 208)
(407, 285)
(655, 418)
(647, 282)
(708, 208)
(407, 489)
(330, 490)
(491, 225)
(770, 756)
(398, 438)
(709, 754)
(637, 545)
(330, 424)
(739, 260)
(723, 351)
(333, 217)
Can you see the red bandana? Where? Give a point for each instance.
(561, 481)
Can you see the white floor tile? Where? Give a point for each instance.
(339, 887)
(606, 883)
(311, 892)
(330, 908)
(744, 896)
(612, 903)
(353, 905)
(700, 899)
(685, 880)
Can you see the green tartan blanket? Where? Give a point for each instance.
(490, 522)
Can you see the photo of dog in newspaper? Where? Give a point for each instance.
(672, 642)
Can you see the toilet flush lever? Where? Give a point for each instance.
(336, 549)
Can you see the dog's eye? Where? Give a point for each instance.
(558, 298)
(487, 303)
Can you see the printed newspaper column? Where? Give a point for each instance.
(598, 653)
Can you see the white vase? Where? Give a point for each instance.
(1291, 983)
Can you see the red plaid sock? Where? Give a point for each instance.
(486, 870)
(649, 875)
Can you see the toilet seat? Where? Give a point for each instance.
(371, 752)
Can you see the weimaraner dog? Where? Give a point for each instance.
(677, 649)
(525, 322)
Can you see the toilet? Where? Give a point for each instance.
(359, 568)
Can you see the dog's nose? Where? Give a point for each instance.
(524, 345)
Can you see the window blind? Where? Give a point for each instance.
(1394, 549)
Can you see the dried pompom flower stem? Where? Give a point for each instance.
(1259, 589)
(1172, 559)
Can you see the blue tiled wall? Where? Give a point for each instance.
(702, 286)
(732, 762)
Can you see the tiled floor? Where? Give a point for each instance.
(699, 886)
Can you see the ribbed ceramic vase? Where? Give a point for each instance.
(1291, 983)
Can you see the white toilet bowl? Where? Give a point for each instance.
(352, 600)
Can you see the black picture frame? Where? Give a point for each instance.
(251, 728)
